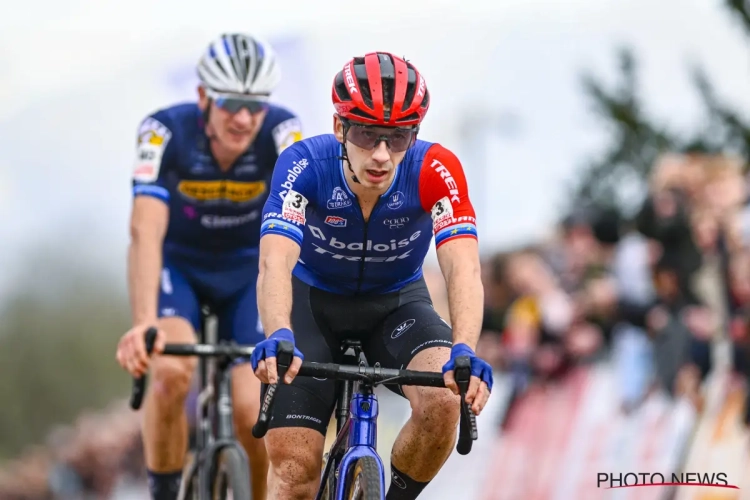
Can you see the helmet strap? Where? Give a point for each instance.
(345, 156)
(206, 116)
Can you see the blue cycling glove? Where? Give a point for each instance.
(267, 348)
(479, 367)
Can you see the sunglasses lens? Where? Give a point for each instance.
(235, 105)
(362, 137)
(398, 140)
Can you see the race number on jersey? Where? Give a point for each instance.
(153, 137)
(293, 208)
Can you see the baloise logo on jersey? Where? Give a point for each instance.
(391, 248)
(291, 176)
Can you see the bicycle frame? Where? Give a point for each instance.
(357, 411)
(356, 415)
(214, 412)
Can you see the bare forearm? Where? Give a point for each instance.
(274, 296)
(465, 299)
(144, 272)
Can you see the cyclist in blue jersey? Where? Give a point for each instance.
(345, 232)
(201, 178)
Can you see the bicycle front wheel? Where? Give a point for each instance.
(231, 477)
(364, 482)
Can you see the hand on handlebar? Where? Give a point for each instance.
(131, 350)
(480, 384)
(264, 358)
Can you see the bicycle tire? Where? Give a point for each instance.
(189, 484)
(364, 483)
(230, 473)
(329, 484)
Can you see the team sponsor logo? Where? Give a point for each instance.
(228, 221)
(422, 87)
(291, 175)
(402, 328)
(153, 132)
(351, 85)
(396, 222)
(339, 199)
(246, 169)
(153, 137)
(335, 221)
(333, 246)
(398, 480)
(448, 178)
(287, 133)
(445, 222)
(396, 200)
(222, 190)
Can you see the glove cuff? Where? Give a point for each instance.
(283, 333)
(462, 350)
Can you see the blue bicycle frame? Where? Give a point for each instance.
(356, 438)
(357, 411)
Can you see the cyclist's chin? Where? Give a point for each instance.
(235, 143)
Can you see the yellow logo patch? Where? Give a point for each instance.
(234, 191)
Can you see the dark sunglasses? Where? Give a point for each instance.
(369, 136)
(234, 103)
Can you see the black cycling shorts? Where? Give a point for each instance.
(392, 328)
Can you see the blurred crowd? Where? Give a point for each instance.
(655, 295)
(98, 454)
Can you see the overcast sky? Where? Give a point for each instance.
(75, 82)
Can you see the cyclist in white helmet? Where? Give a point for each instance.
(200, 181)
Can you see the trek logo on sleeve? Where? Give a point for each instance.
(448, 178)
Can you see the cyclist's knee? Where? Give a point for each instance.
(435, 409)
(170, 378)
(295, 454)
(171, 375)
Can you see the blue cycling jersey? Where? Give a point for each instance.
(312, 204)
(214, 216)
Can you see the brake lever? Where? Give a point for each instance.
(284, 357)
(139, 384)
(468, 425)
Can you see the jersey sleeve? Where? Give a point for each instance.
(152, 154)
(287, 132)
(444, 193)
(292, 185)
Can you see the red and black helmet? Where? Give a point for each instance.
(381, 89)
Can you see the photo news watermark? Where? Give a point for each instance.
(611, 480)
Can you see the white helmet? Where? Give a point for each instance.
(239, 63)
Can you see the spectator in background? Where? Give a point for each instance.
(498, 296)
(664, 218)
(650, 293)
(572, 254)
(681, 327)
